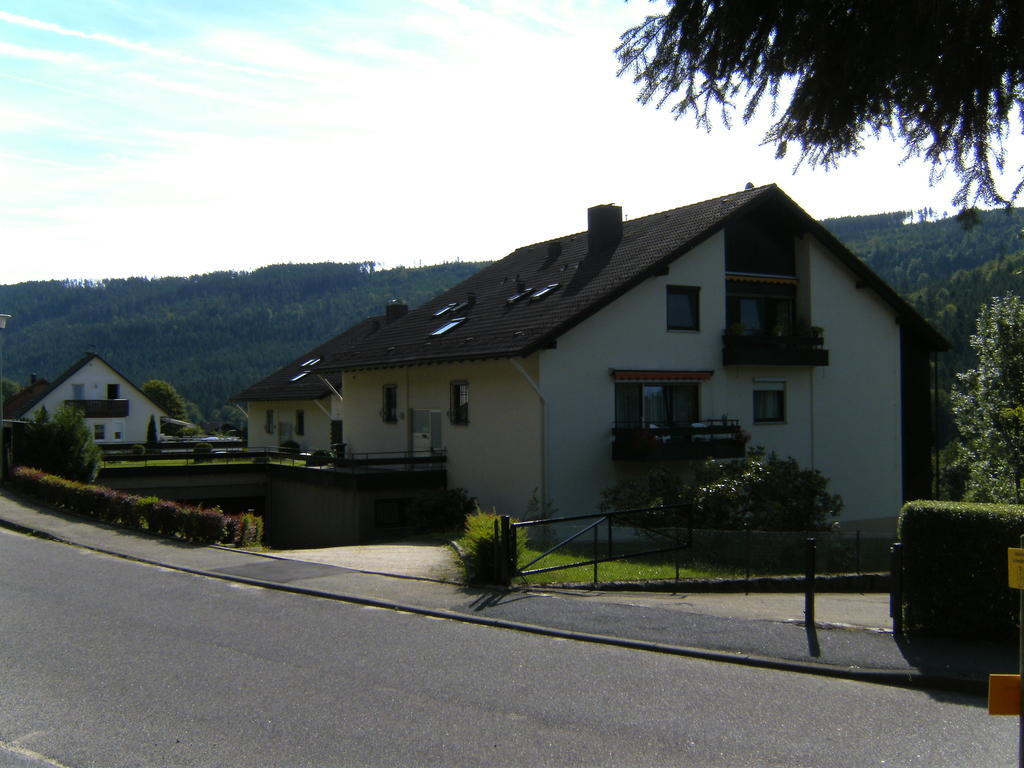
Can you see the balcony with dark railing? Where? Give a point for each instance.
(770, 349)
(101, 409)
(708, 439)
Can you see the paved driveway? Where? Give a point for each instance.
(425, 560)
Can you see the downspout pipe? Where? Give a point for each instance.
(543, 431)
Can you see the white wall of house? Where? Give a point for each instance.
(284, 423)
(843, 419)
(628, 334)
(496, 456)
(90, 382)
(857, 434)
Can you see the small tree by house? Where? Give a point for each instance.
(61, 445)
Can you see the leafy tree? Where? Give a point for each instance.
(166, 396)
(988, 404)
(947, 78)
(62, 445)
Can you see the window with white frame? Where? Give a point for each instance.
(682, 305)
(99, 431)
(268, 424)
(769, 401)
(389, 408)
(459, 413)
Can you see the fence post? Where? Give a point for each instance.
(809, 584)
(896, 587)
(508, 551)
(746, 554)
(499, 552)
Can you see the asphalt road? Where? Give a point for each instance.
(105, 662)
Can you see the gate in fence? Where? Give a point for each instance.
(642, 532)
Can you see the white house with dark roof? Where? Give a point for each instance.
(301, 402)
(115, 410)
(577, 362)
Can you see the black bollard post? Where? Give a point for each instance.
(809, 584)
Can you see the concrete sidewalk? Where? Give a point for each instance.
(851, 637)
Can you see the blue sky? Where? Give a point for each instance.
(159, 137)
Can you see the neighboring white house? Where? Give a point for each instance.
(574, 363)
(300, 403)
(115, 410)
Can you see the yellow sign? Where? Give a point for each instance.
(1004, 694)
(1016, 563)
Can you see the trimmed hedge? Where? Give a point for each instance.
(166, 518)
(955, 579)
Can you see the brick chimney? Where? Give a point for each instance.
(604, 229)
(395, 309)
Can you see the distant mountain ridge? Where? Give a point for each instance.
(208, 335)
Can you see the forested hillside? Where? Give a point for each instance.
(208, 335)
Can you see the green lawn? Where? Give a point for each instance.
(649, 568)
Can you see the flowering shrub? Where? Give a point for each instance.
(166, 518)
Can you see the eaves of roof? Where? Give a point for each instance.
(495, 327)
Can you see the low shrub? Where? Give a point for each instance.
(166, 518)
(955, 568)
(480, 546)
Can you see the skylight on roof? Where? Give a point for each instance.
(311, 361)
(517, 296)
(299, 375)
(448, 326)
(446, 308)
(542, 292)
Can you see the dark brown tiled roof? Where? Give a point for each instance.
(495, 328)
(280, 385)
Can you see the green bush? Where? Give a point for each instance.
(955, 579)
(138, 450)
(289, 446)
(62, 445)
(761, 492)
(480, 546)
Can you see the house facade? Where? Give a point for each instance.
(671, 338)
(301, 403)
(116, 411)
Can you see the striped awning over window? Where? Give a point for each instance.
(764, 279)
(660, 376)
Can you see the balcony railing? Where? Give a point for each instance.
(764, 349)
(101, 409)
(709, 439)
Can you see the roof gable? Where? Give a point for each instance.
(538, 292)
(40, 393)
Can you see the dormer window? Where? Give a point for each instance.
(542, 292)
(448, 326)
